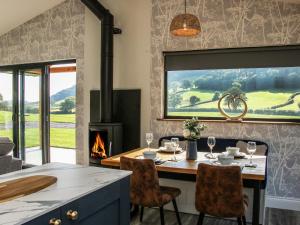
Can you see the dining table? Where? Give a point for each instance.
(183, 169)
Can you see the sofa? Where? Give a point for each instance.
(7, 162)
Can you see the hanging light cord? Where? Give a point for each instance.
(184, 6)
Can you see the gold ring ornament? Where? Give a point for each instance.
(233, 103)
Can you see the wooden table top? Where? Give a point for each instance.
(184, 166)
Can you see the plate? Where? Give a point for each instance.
(165, 150)
(239, 155)
(142, 157)
(231, 164)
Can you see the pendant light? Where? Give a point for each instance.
(185, 25)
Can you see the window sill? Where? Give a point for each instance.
(233, 121)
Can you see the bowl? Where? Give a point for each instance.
(149, 154)
(168, 146)
(233, 150)
(225, 159)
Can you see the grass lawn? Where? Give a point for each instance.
(58, 118)
(59, 137)
(256, 100)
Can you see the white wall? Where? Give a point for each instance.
(91, 69)
(131, 55)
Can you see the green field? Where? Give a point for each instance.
(256, 100)
(58, 118)
(59, 137)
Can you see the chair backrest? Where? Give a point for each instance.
(219, 190)
(144, 183)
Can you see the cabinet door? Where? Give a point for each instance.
(90, 205)
(45, 219)
(110, 215)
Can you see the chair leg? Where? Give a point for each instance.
(142, 213)
(162, 217)
(176, 211)
(239, 220)
(244, 220)
(201, 217)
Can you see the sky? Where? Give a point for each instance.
(58, 82)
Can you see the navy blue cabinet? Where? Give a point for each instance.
(107, 206)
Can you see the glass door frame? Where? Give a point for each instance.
(18, 86)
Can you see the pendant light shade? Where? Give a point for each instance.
(185, 25)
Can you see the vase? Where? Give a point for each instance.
(191, 150)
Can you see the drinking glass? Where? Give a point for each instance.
(251, 149)
(149, 139)
(211, 142)
(175, 144)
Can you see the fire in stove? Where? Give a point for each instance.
(98, 149)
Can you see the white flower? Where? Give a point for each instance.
(193, 134)
(186, 133)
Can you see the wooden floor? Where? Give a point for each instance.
(151, 217)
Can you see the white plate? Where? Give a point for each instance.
(164, 149)
(239, 155)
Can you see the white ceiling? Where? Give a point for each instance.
(16, 12)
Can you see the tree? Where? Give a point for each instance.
(1, 97)
(194, 100)
(216, 96)
(185, 84)
(234, 95)
(174, 100)
(67, 105)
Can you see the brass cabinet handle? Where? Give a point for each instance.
(55, 221)
(72, 215)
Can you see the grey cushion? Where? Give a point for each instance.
(6, 146)
(4, 140)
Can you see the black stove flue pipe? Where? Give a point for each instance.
(107, 47)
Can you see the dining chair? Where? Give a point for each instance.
(219, 192)
(145, 190)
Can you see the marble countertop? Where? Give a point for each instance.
(73, 182)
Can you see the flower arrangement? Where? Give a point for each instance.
(192, 128)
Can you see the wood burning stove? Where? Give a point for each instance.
(105, 140)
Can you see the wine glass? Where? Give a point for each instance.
(149, 139)
(251, 149)
(211, 142)
(175, 144)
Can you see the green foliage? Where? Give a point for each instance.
(4, 106)
(185, 84)
(1, 97)
(194, 99)
(67, 105)
(174, 100)
(192, 128)
(31, 109)
(235, 94)
(216, 96)
(299, 105)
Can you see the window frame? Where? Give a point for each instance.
(258, 50)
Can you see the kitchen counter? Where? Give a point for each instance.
(73, 182)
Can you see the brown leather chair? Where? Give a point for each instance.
(219, 192)
(144, 187)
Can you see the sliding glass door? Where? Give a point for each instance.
(30, 117)
(37, 111)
